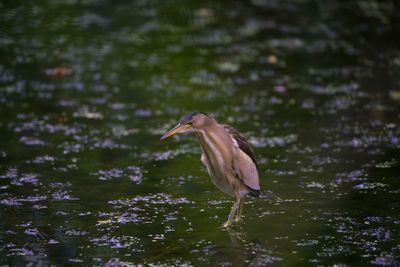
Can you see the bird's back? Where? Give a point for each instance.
(245, 161)
(230, 160)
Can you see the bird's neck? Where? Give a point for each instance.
(210, 135)
(215, 143)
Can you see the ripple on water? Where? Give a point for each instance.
(20, 179)
(109, 144)
(274, 141)
(316, 185)
(76, 232)
(43, 159)
(131, 242)
(368, 140)
(141, 209)
(36, 125)
(32, 232)
(158, 199)
(135, 71)
(14, 201)
(61, 191)
(61, 195)
(369, 186)
(377, 233)
(134, 173)
(11, 202)
(167, 154)
(31, 141)
(385, 259)
(20, 251)
(352, 176)
(70, 147)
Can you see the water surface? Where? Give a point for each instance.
(88, 87)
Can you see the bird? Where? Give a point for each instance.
(228, 156)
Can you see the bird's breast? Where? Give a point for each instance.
(218, 153)
(218, 150)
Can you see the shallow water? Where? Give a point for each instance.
(87, 89)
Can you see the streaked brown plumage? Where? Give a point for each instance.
(229, 158)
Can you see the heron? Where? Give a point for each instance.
(228, 156)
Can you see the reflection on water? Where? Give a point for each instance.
(87, 88)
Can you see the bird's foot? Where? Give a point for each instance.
(227, 224)
(238, 218)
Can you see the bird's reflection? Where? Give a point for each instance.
(241, 251)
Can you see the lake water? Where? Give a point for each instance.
(87, 88)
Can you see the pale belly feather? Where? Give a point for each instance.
(221, 181)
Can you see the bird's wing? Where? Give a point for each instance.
(243, 144)
(247, 169)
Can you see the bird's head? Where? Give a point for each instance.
(191, 121)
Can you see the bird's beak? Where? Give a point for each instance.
(178, 128)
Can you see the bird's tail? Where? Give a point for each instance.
(253, 192)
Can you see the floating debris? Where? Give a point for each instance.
(228, 66)
(395, 95)
(274, 141)
(134, 173)
(32, 141)
(367, 186)
(88, 115)
(272, 59)
(58, 72)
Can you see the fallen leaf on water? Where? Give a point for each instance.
(272, 59)
(58, 72)
(395, 95)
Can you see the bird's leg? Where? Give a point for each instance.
(240, 209)
(232, 213)
(203, 159)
